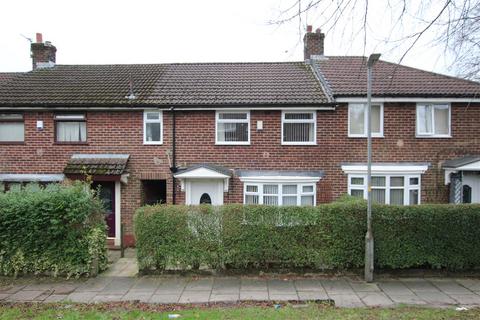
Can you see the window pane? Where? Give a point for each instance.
(357, 118)
(376, 118)
(424, 118)
(11, 131)
(414, 181)
(441, 120)
(357, 181)
(232, 116)
(378, 181)
(251, 199)
(396, 196)
(307, 201)
(413, 197)
(153, 115)
(270, 200)
(232, 132)
(289, 189)
(378, 195)
(289, 200)
(306, 189)
(357, 193)
(270, 189)
(71, 131)
(153, 131)
(251, 188)
(298, 116)
(298, 132)
(396, 181)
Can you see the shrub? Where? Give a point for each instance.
(56, 230)
(328, 236)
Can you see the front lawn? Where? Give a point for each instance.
(267, 311)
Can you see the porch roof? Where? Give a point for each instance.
(463, 163)
(204, 170)
(97, 164)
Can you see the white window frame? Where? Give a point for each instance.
(218, 120)
(433, 134)
(313, 120)
(145, 121)
(71, 117)
(364, 135)
(7, 118)
(280, 194)
(406, 186)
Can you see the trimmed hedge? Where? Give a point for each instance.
(56, 230)
(328, 236)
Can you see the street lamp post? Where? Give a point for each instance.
(369, 236)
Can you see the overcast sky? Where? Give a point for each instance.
(142, 31)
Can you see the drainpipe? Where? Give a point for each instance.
(173, 168)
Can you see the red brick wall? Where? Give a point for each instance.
(122, 132)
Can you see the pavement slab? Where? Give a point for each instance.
(196, 296)
(471, 284)
(164, 298)
(118, 286)
(11, 289)
(249, 284)
(346, 300)
(81, 297)
(141, 296)
(276, 286)
(407, 299)
(336, 286)
(56, 298)
(362, 286)
(4, 296)
(450, 286)
(256, 295)
(200, 284)
(94, 284)
(309, 285)
(312, 295)
(394, 287)
(22, 296)
(466, 299)
(437, 298)
(375, 299)
(226, 286)
(419, 285)
(283, 297)
(107, 298)
(224, 297)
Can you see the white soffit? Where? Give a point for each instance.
(385, 169)
(405, 99)
(278, 179)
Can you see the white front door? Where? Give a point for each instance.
(204, 191)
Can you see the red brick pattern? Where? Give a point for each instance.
(121, 132)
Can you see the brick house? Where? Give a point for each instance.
(287, 133)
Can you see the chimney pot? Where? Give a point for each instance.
(318, 30)
(309, 28)
(39, 37)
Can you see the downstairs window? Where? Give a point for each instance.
(280, 194)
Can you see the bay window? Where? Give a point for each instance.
(232, 127)
(70, 128)
(299, 128)
(281, 194)
(433, 120)
(152, 127)
(357, 120)
(12, 128)
(387, 189)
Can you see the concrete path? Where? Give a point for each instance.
(438, 292)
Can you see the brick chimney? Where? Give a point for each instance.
(43, 53)
(313, 43)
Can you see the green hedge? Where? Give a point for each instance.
(324, 237)
(56, 230)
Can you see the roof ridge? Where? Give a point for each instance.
(177, 63)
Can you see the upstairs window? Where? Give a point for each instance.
(152, 127)
(70, 128)
(12, 127)
(357, 120)
(299, 128)
(232, 127)
(433, 120)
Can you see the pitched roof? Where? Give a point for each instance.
(7, 76)
(96, 164)
(209, 166)
(166, 84)
(347, 76)
(460, 162)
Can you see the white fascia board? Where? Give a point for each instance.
(385, 169)
(280, 179)
(27, 177)
(327, 108)
(201, 173)
(474, 166)
(405, 99)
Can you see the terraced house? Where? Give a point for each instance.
(276, 133)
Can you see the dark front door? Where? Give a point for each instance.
(106, 194)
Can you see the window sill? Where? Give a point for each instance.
(364, 136)
(70, 143)
(433, 136)
(232, 143)
(299, 143)
(12, 142)
(152, 143)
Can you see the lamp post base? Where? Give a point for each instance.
(369, 257)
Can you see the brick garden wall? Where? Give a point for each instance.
(122, 132)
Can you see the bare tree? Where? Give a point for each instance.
(453, 25)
